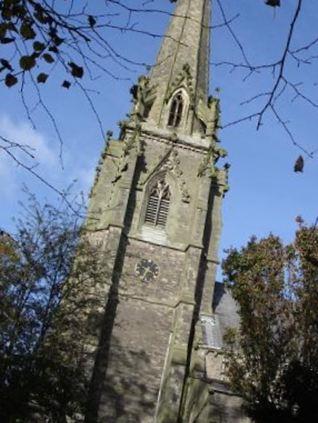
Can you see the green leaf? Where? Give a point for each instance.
(42, 77)
(10, 80)
(48, 58)
(76, 71)
(27, 31)
(27, 62)
(38, 46)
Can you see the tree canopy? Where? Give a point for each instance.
(46, 315)
(272, 360)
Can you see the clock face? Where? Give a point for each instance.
(147, 270)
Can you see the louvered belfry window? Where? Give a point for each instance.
(176, 110)
(158, 205)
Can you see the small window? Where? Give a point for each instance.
(158, 205)
(211, 331)
(176, 110)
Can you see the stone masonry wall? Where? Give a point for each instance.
(140, 337)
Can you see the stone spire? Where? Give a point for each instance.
(183, 60)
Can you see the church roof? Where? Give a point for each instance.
(225, 310)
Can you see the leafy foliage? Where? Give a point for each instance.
(273, 360)
(42, 31)
(44, 302)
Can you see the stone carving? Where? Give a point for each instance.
(223, 178)
(205, 319)
(143, 96)
(183, 79)
(170, 163)
(132, 142)
(98, 168)
(207, 166)
(209, 115)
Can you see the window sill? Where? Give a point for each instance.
(153, 234)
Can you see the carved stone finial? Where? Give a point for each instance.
(207, 166)
(209, 114)
(143, 96)
(222, 179)
(132, 142)
(109, 135)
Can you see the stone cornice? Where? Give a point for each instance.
(173, 305)
(199, 144)
(180, 247)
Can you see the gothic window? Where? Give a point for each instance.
(158, 204)
(176, 110)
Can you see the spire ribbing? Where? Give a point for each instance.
(183, 53)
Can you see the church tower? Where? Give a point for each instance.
(155, 213)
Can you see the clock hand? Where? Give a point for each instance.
(145, 274)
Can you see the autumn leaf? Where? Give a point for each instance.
(27, 31)
(273, 3)
(3, 30)
(299, 164)
(38, 46)
(92, 21)
(10, 80)
(6, 40)
(42, 77)
(53, 49)
(48, 58)
(66, 84)
(76, 71)
(27, 62)
(5, 63)
(57, 40)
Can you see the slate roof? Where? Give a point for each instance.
(225, 310)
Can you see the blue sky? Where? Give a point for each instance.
(265, 194)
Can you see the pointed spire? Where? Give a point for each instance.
(183, 61)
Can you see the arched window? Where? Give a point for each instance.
(176, 109)
(158, 204)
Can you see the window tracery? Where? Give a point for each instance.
(176, 111)
(158, 204)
